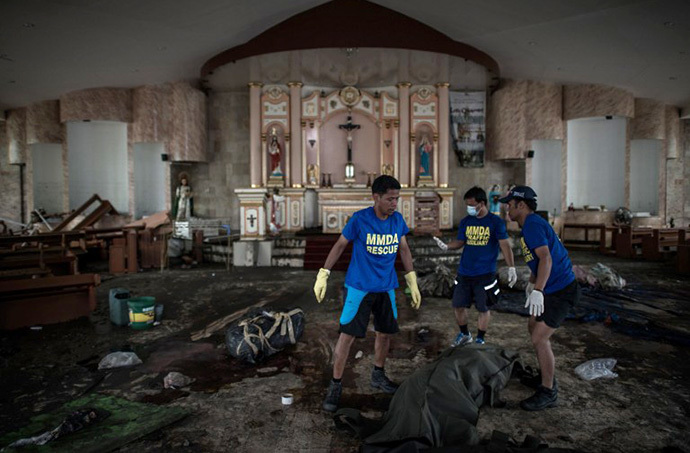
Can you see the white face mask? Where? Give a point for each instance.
(472, 210)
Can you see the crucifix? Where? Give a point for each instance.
(349, 167)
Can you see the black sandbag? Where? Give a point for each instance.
(263, 332)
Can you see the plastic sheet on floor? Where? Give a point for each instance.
(642, 311)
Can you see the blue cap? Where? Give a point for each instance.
(524, 192)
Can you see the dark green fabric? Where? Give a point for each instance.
(128, 420)
(439, 404)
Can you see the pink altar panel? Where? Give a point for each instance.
(365, 146)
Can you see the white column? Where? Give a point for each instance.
(295, 135)
(255, 134)
(404, 112)
(443, 133)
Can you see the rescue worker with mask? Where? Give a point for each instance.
(481, 233)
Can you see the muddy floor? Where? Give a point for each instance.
(237, 407)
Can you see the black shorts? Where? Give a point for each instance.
(473, 290)
(557, 305)
(385, 315)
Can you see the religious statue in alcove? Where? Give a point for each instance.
(425, 149)
(313, 174)
(494, 195)
(183, 208)
(275, 152)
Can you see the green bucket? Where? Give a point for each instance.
(141, 312)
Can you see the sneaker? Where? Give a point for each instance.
(335, 389)
(534, 381)
(542, 399)
(479, 341)
(379, 380)
(461, 339)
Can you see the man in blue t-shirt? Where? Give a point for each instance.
(377, 235)
(552, 291)
(481, 233)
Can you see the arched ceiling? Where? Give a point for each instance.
(51, 47)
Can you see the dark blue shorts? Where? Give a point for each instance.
(475, 290)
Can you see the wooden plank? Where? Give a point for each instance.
(225, 320)
(132, 252)
(43, 238)
(77, 212)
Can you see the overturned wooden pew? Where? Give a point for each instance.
(48, 300)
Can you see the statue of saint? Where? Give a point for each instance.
(425, 148)
(275, 151)
(183, 209)
(313, 174)
(494, 195)
(277, 216)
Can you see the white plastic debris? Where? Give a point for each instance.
(597, 368)
(119, 359)
(175, 380)
(359, 355)
(287, 399)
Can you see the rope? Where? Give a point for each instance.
(282, 320)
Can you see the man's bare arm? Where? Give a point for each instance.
(544, 269)
(507, 252)
(406, 255)
(335, 252)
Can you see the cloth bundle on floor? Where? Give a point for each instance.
(438, 405)
(439, 283)
(262, 333)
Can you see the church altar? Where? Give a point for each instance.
(314, 152)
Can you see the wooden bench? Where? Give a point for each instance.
(53, 251)
(56, 263)
(598, 242)
(48, 300)
(683, 263)
(654, 247)
(628, 240)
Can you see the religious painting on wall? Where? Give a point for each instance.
(467, 117)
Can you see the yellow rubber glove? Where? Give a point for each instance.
(411, 279)
(320, 285)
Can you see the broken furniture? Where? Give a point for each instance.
(683, 263)
(660, 242)
(152, 237)
(628, 240)
(47, 300)
(426, 213)
(50, 253)
(598, 241)
(94, 216)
